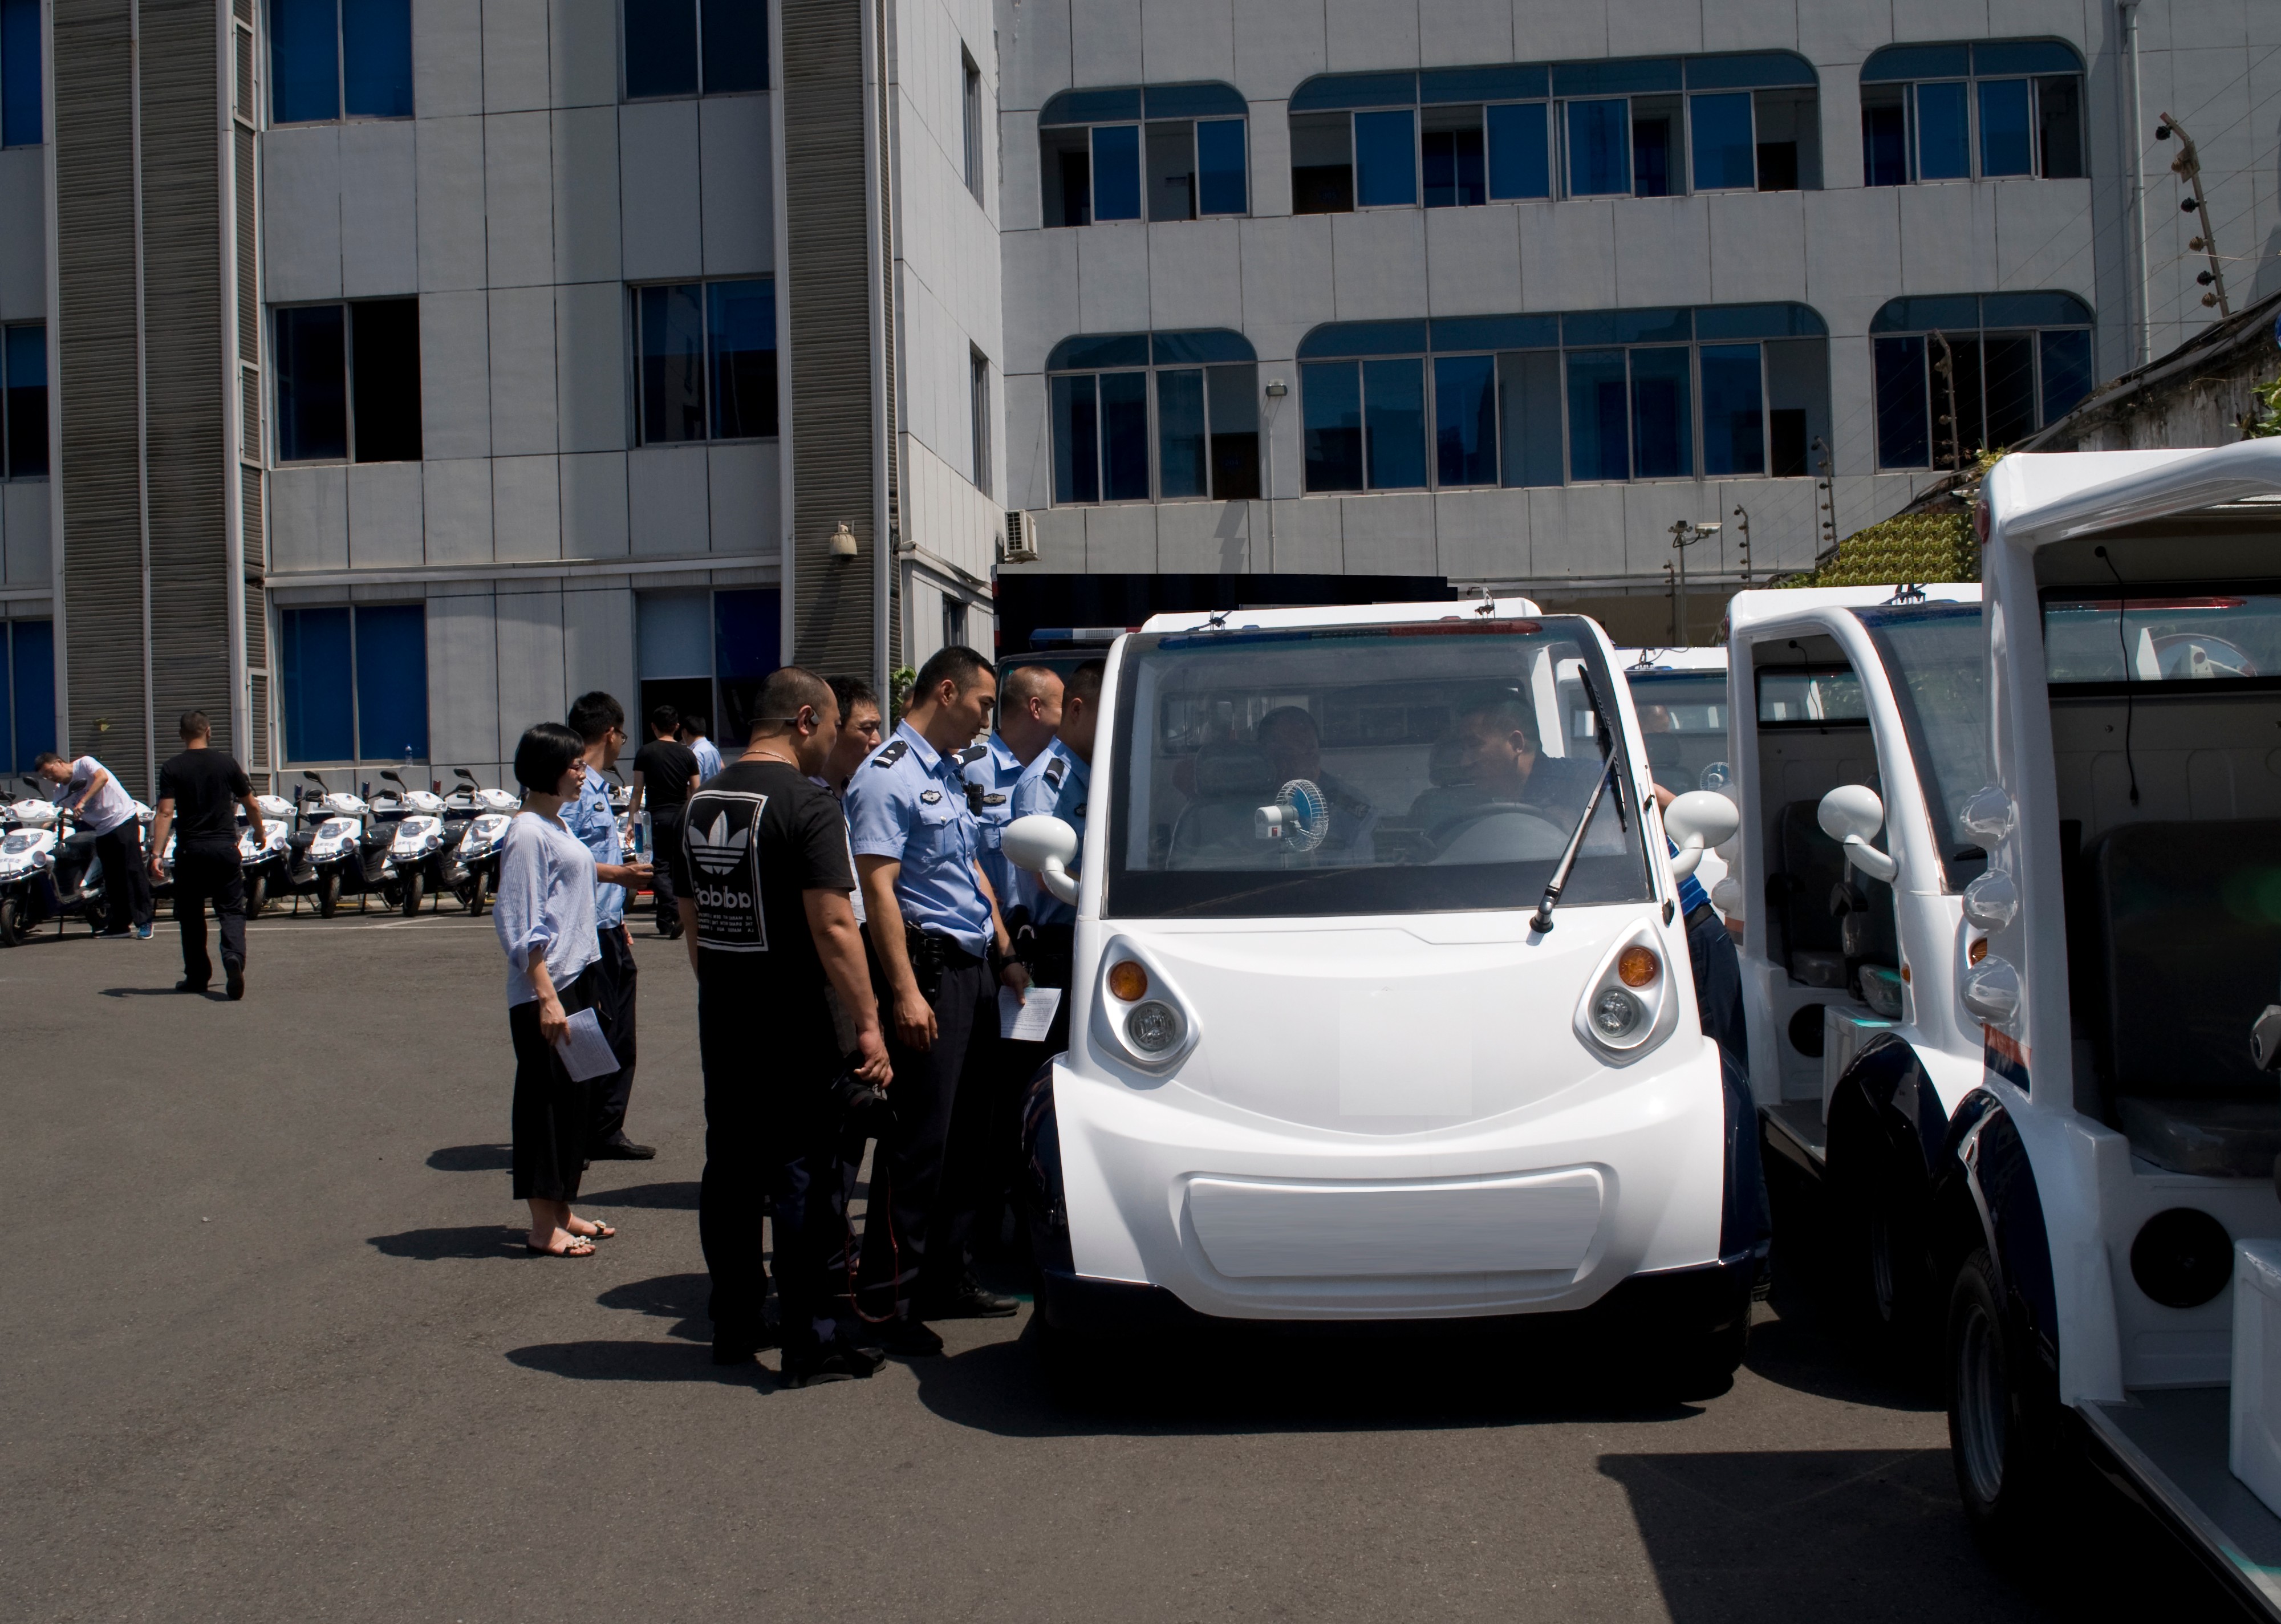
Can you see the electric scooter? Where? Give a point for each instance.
(419, 859)
(48, 871)
(482, 814)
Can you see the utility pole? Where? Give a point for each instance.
(1671, 592)
(1828, 486)
(2188, 166)
(1684, 534)
(1946, 366)
(1743, 514)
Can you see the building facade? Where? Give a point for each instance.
(380, 374)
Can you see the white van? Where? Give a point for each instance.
(1381, 1002)
(2107, 1207)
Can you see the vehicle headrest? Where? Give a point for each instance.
(1234, 769)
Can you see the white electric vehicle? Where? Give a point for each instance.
(1858, 732)
(2106, 1205)
(1363, 1025)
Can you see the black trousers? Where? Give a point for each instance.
(769, 1153)
(1719, 984)
(201, 877)
(921, 1203)
(999, 1156)
(126, 882)
(665, 839)
(613, 1006)
(552, 1113)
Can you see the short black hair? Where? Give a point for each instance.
(852, 692)
(697, 722)
(1502, 707)
(664, 719)
(954, 663)
(544, 753)
(1275, 720)
(782, 694)
(1084, 683)
(593, 714)
(44, 758)
(194, 726)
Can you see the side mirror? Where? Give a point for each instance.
(1695, 821)
(1046, 846)
(1849, 815)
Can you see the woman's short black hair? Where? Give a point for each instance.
(544, 755)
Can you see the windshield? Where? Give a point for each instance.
(1420, 768)
(1682, 717)
(2098, 637)
(1936, 658)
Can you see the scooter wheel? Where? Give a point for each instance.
(328, 895)
(472, 895)
(257, 894)
(12, 919)
(412, 888)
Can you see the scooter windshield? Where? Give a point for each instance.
(1432, 768)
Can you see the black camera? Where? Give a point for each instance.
(860, 1112)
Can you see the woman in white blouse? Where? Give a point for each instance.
(546, 920)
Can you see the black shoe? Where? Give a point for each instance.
(973, 1301)
(910, 1338)
(624, 1150)
(737, 1348)
(188, 985)
(839, 1360)
(235, 986)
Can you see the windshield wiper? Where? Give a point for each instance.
(1541, 920)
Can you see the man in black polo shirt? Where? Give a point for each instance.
(195, 790)
(664, 770)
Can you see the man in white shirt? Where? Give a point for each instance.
(88, 794)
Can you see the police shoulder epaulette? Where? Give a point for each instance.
(972, 753)
(1057, 770)
(895, 750)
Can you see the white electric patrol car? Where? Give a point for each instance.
(2106, 1206)
(1381, 1008)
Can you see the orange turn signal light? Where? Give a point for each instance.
(1635, 966)
(1128, 981)
(1977, 951)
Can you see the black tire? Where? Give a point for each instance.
(477, 885)
(12, 921)
(411, 903)
(328, 895)
(2004, 1428)
(1883, 1274)
(1702, 1363)
(257, 895)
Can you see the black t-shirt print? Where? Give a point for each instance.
(667, 770)
(204, 786)
(757, 836)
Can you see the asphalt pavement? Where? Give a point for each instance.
(270, 1348)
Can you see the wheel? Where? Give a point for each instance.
(328, 895)
(476, 887)
(410, 903)
(257, 894)
(97, 914)
(12, 921)
(1702, 1363)
(1883, 1277)
(2003, 1419)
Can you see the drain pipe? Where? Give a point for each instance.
(2134, 150)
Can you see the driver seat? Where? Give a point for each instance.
(1233, 782)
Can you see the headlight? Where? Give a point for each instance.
(1629, 1005)
(1139, 1015)
(1153, 1027)
(1616, 1013)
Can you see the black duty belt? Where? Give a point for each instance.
(927, 947)
(1702, 913)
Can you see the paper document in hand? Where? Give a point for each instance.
(585, 1052)
(1028, 1023)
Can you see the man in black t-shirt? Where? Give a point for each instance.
(664, 770)
(196, 792)
(783, 996)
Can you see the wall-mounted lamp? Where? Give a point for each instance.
(1277, 389)
(843, 542)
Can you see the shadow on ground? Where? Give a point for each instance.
(435, 1245)
(601, 1361)
(683, 1298)
(473, 1159)
(680, 1197)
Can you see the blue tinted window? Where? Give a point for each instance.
(740, 344)
(1943, 146)
(1464, 420)
(20, 95)
(1904, 430)
(1116, 171)
(1599, 149)
(1125, 437)
(312, 400)
(304, 69)
(1520, 164)
(2067, 372)
(32, 685)
(736, 45)
(747, 634)
(1220, 187)
(1528, 395)
(672, 364)
(318, 685)
(1077, 439)
(660, 47)
(1663, 428)
(1725, 155)
(1884, 146)
(376, 58)
(1331, 398)
(1394, 423)
(391, 682)
(24, 369)
(1180, 466)
(2005, 146)
(1386, 159)
(1600, 416)
(1734, 415)
(1455, 175)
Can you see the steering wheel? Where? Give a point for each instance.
(1442, 832)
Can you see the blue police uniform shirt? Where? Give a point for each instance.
(1691, 894)
(1057, 785)
(909, 803)
(593, 821)
(709, 759)
(991, 771)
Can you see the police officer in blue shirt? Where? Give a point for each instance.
(600, 722)
(1718, 967)
(1059, 784)
(1028, 710)
(940, 952)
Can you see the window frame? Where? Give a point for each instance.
(638, 383)
(281, 721)
(1153, 432)
(1978, 335)
(38, 82)
(1975, 133)
(626, 97)
(970, 91)
(276, 382)
(16, 748)
(978, 399)
(267, 98)
(1144, 126)
(8, 472)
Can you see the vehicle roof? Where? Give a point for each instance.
(1631, 661)
(1346, 614)
(2036, 497)
(1748, 610)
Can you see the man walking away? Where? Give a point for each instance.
(941, 952)
(194, 791)
(664, 769)
(693, 733)
(763, 899)
(101, 806)
(600, 722)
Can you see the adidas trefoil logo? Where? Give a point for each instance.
(716, 850)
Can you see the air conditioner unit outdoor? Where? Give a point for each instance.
(1021, 537)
